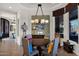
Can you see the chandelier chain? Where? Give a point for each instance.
(39, 6)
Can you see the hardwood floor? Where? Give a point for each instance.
(10, 48)
(62, 52)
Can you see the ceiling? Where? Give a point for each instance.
(35, 5)
(15, 7)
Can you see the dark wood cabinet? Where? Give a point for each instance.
(4, 28)
(68, 47)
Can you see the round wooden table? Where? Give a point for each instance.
(40, 42)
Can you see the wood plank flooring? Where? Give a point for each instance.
(10, 48)
(62, 52)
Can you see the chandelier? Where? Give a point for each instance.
(36, 20)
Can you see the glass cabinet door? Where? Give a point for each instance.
(73, 24)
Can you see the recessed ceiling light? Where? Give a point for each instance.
(10, 7)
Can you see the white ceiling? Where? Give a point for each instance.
(35, 5)
(20, 6)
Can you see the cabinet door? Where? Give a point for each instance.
(5, 27)
(0, 26)
(73, 24)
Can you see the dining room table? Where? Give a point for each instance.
(40, 43)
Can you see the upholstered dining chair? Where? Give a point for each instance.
(48, 50)
(27, 47)
(32, 51)
(55, 48)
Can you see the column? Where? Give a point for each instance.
(18, 38)
(66, 26)
(52, 28)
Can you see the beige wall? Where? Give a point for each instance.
(24, 15)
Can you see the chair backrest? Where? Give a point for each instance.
(50, 47)
(25, 46)
(56, 44)
(30, 47)
(29, 37)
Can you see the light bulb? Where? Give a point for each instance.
(46, 21)
(42, 21)
(32, 21)
(36, 21)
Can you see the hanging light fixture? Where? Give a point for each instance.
(32, 21)
(46, 21)
(37, 20)
(39, 6)
(42, 21)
